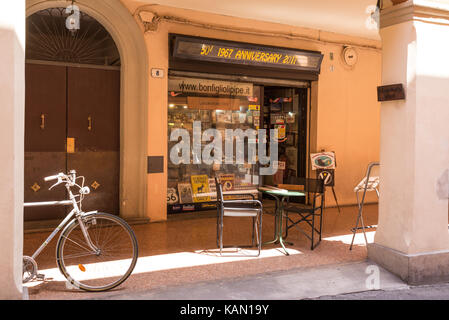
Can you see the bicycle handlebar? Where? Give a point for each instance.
(70, 181)
(50, 178)
(63, 178)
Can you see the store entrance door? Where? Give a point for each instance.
(72, 122)
(285, 109)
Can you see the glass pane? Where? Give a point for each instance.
(88, 42)
(196, 105)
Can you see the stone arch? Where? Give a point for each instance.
(130, 42)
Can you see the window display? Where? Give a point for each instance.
(196, 105)
(217, 105)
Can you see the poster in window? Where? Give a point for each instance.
(282, 132)
(228, 117)
(254, 107)
(172, 196)
(185, 193)
(227, 181)
(200, 184)
(279, 165)
(213, 190)
(236, 117)
(224, 117)
(256, 121)
(242, 118)
(277, 118)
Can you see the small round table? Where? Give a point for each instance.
(280, 196)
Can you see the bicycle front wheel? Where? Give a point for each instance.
(104, 265)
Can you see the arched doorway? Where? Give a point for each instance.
(72, 110)
(129, 39)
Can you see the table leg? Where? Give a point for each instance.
(281, 240)
(276, 223)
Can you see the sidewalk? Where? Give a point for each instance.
(303, 283)
(425, 292)
(182, 252)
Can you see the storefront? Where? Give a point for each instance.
(176, 71)
(265, 58)
(234, 87)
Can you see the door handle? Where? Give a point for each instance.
(42, 121)
(89, 121)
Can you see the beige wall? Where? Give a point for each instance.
(345, 17)
(348, 117)
(348, 112)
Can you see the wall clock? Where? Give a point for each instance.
(350, 56)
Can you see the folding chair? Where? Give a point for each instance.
(308, 212)
(368, 183)
(238, 208)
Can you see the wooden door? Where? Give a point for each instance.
(94, 123)
(45, 138)
(82, 104)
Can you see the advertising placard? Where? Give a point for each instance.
(323, 160)
(200, 184)
(185, 193)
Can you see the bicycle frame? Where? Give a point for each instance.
(75, 212)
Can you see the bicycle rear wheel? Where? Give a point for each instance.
(104, 268)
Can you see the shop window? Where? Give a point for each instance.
(218, 105)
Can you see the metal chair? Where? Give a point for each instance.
(369, 183)
(308, 212)
(238, 208)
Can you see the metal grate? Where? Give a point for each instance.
(49, 39)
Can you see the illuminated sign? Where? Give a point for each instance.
(246, 54)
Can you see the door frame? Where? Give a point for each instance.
(74, 65)
(128, 37)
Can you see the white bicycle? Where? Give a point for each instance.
(95, 251)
